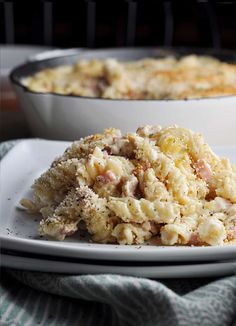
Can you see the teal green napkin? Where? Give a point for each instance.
(30, 298)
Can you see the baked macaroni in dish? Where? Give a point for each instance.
(161, 183)
(167, 78)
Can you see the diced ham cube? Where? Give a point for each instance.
(106, 177)
(194, 240)
(203, 169)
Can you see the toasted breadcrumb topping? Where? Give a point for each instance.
(189, 77)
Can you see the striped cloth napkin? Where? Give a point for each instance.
(30, 298)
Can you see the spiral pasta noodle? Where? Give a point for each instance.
(158, 182)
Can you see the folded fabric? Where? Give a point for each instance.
(30, 298)
(114, 300)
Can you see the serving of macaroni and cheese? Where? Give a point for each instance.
(189, 77)
(159, 183)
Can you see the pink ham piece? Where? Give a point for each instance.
(194, 240)
(203, 169)
(106, 177)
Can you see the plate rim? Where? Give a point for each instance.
(119, 252)
(181, 271)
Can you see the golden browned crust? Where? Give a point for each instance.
(167, 78)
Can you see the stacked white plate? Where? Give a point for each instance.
(22, 248)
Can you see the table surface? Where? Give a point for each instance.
(12, 118)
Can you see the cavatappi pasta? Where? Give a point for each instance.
(163, 183)
(189, 77)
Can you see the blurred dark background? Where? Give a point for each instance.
(90, 23)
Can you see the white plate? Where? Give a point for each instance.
(174, 271)
(18, 230)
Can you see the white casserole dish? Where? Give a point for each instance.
(68, 117)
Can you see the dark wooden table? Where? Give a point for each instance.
(13, 124)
